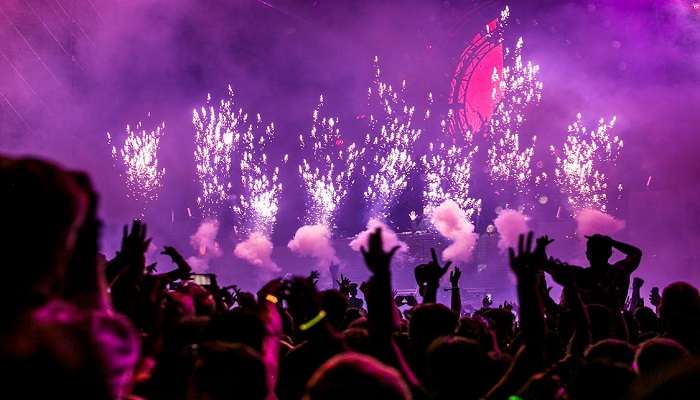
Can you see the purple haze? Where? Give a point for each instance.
(95, 65)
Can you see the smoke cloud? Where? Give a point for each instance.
(510, 224)
(389, 237)
(204, 242)
(314, 241)
(453, 224)
(199, 264)
(257, 250)
(589, 222)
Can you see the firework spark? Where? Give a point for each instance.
(515, 87)
(447, 175)
(518, 87)
(258, 203)
(139, 155)
(391, 138)
(578, 164)
(327, 168)
(217, 133)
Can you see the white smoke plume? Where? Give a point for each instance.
(589, 222)
(452, 223)
(204, 242)
(199, 264)
(314, 241)
(510, 224)
(389, 238)
(257, 250)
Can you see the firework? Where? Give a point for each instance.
(518, 87)
(217, 133)
(327, 168)
(447, 175)
(390, 138)
(515, 87)
(578, 164)
(139, 156)
(258, 203)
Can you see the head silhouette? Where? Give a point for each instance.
(43, 210)
(612, 351)
(459, 368)
(658, 354)
(227, 371)
(428, 322)
(679, 313)
(647, 319)
(598, 250)
(351, 376)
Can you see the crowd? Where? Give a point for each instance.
(79, 325)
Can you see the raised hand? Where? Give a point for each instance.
(543, 242)
(182, 266)
(454, 277)
(637, 283)
(541, 246)
(343, 281)
(432, 272)
(314, 276)
(130, 262)
(428, 277)
(171, 252)
(377, 260)
(344, 284)
(135, 241)
(525, 262)
(655, 297)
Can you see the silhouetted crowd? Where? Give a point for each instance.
(79, 325)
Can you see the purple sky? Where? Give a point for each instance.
(71, 70)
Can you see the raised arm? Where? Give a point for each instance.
(380, 306)
(633, 255)
(530, 358)
(636, 300)
(550, 306)
(183, 268)
(456, 296)
(428, 277)
(526, 265)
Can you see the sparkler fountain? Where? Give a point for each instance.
(138, 155)
(327, 171)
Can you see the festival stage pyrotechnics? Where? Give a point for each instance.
(293, 128)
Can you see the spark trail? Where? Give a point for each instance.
(328, 167)
(580, 162)
(390, 140)
(258, 204)
(448, 174)
(509, 158)
(217, 135)
(139, 156)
